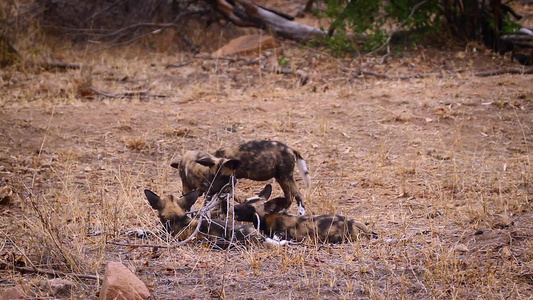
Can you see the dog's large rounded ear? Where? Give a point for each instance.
(154, 200)
(266, 192)
(232, 164)
(244, 212)
(206, 161)
(175, 165)
(188, 200)
(276, 205)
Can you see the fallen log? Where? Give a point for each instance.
(247, 13)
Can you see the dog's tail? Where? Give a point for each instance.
(302, 168)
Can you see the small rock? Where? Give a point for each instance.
(433, 214)
(247, 44)
(3, 264)
(500, 221)
(15, 292)
(506, 252)
(120, 283)
(58, 288)
(461, 248)
(5, 195)
(303, 77)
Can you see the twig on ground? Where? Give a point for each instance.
(439, 75)
(230, 59)
(505, 71)
(61, 65)
(141, 245)
(401, 77)
(129, 94)
(55, 272)
(178, 65)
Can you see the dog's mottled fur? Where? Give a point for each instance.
(266, 215)
(201, 171)
(173, 215)
(263, 160)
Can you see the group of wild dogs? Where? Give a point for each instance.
(204, 173)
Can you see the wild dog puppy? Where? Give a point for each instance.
(173, 215)
(265, 215)
(201, 171)
(263, 160)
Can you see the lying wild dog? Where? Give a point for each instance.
(263, 160)
(201, 171)
(173, 215)
(265, 215)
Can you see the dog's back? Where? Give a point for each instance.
(321, 228)
(262, 160)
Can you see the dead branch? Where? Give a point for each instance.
(505, 71)
(228, 9)
(400, 77)
(281, 70)
(141, 245)
(129, 94)
(55, 272)
(230, 59)
(108, 95)
(276, 22)
(517, 37)
(178, 65)
(438, 75)
(61, 65)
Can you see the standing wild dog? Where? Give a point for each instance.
(203, 172)
(173, 216)
(265, 215)
(263, 160)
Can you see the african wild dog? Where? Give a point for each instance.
(173, 215)
(265, 215)
(263, 160)
(204, 172)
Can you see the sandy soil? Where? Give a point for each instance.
(439, 167)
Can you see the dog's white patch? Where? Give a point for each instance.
(258, 222)
(301, 210)
(253, 198)
(277, 243)
(138, 233)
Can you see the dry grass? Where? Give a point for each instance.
(440, 168)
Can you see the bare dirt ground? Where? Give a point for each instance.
(440, 168)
